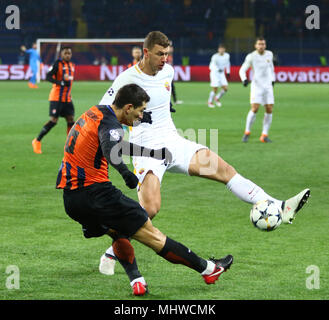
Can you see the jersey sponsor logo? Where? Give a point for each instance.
(115, 134)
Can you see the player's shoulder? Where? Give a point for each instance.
(168, 68)
(269, 52)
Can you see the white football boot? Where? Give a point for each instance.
(293, 205)
(106, 265)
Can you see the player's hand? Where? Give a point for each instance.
(65, 83)
(245, 82)
(23, 48)
(228, 76)
(147, 117)
(130, 179)
(163, 154)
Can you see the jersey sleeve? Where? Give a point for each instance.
(244, 68)
(212, 64)
(52, 72)
(272, 68)
(228, 65)
(110, 134)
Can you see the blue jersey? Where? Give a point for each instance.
(34, 57)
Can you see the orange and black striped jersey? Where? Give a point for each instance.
(132, 64)
(89, 148)
(61, 75)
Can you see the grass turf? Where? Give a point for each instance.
(56, 262)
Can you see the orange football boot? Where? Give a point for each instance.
(36, 145)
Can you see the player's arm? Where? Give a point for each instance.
(228, 66)
(113, 146)
(244, 68)
(51, 76)
(272, 71)
(131, 149)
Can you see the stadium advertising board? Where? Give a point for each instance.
(182, 73)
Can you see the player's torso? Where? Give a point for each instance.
(66, 72)
(83, 163)
(262, 66)
(219, 62)
(158, 88)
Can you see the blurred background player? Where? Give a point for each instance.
(219, 64)
(136, 53)
(170, 60)
(33, 63)
(61, 74)
(261, 88)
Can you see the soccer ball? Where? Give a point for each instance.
(266, 215)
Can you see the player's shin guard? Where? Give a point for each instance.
(45, 129)
(177, 253)
(125, 254)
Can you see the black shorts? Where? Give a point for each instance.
(101, 207)
(61, 109)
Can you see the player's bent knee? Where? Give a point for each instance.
(152, 209)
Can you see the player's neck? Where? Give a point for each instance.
(146, 68)
(117, 112)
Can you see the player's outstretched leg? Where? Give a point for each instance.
(205, 163)
(177, 253)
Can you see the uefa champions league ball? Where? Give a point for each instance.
(266, 215)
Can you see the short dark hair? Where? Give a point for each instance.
(260, 39)
(221, 45)
(66, 47)
(131, 93)
(156, 37)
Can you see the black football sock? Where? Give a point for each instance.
(45, 129)
(177, 253)
(69, 126)
(125, 254)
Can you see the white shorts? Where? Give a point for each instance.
(182, 152)
(261, 95)
(217, 79)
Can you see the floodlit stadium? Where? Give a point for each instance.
(224, 108)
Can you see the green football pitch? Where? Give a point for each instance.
(55, 261)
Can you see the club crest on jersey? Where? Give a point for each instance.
(115, 134)
(141, 171)
(167, 85)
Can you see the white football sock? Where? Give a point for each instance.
(267, 123)
(210, 268)
(251, 117)
(220, 94)
(248, 191)
(211, 96)
(110, 251)
(140, 279)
